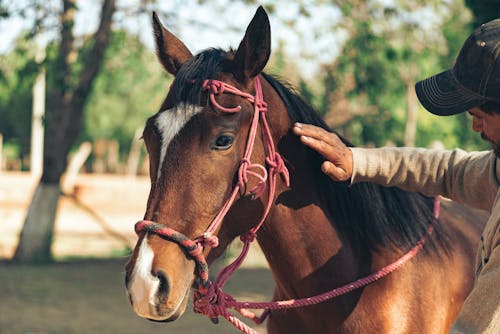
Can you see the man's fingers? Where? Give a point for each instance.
(320, 146)
(312, 131)
(339, 158)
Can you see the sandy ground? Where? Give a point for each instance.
(84, 291)
(118, 201)
(83, 297)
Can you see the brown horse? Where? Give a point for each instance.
(317, 235)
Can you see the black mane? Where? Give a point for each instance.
(367, 213)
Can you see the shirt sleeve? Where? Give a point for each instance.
(469, 178)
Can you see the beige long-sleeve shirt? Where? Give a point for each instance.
(469, 178)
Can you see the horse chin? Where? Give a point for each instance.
(174, 314)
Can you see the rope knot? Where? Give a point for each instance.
(274, 161)
(211, 302)
(211, 240)
(213, 87)
(261, 105)
(278, 165)
(249, 237)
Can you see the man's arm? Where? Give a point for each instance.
(469, 178)
(465, 177)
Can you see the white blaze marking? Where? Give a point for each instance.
(169, 123)
(144, 285)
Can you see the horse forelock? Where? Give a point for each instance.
(188, 82)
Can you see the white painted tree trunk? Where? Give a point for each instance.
(36, 236)
(37, 126)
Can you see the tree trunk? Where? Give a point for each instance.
(37, 126)
(36, 236)
(64, 118)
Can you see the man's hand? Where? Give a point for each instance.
(339, 157)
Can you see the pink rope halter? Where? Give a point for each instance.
(209, 298)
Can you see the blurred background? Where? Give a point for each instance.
(78, 79)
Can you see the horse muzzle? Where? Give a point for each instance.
(156, 290)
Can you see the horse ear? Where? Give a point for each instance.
(255, 48)
(171, 52)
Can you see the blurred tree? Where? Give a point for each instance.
(70, 87)
(127, 61)
(371, 71)
(17, 75)
(388, 49)
(128, 89)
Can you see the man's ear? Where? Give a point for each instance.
(171, 52)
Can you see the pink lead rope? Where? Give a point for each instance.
(209, 298)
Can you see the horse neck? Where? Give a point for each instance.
(299, 239)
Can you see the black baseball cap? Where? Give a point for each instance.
(473, 80)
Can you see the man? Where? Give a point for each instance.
(472, 85)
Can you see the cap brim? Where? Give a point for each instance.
(442, 95)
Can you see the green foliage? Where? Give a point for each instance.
(129, 88)
(385, 54)
(11, 151)
(369, 67)
(18, 71)
(455, 30)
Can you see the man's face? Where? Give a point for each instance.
(488, 125)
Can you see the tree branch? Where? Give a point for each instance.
(58, 99)
(91, 65)
(63, 65)
(95, 57)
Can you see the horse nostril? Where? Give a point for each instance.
(127, 280)
(164, 288)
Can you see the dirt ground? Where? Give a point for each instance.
(117, 201)
(83, 291)
(83, 297)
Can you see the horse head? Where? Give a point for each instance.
(195, 143)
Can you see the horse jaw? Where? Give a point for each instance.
(143, 289)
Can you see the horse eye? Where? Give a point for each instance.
(223, 142)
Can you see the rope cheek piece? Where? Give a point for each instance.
(209, 299)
